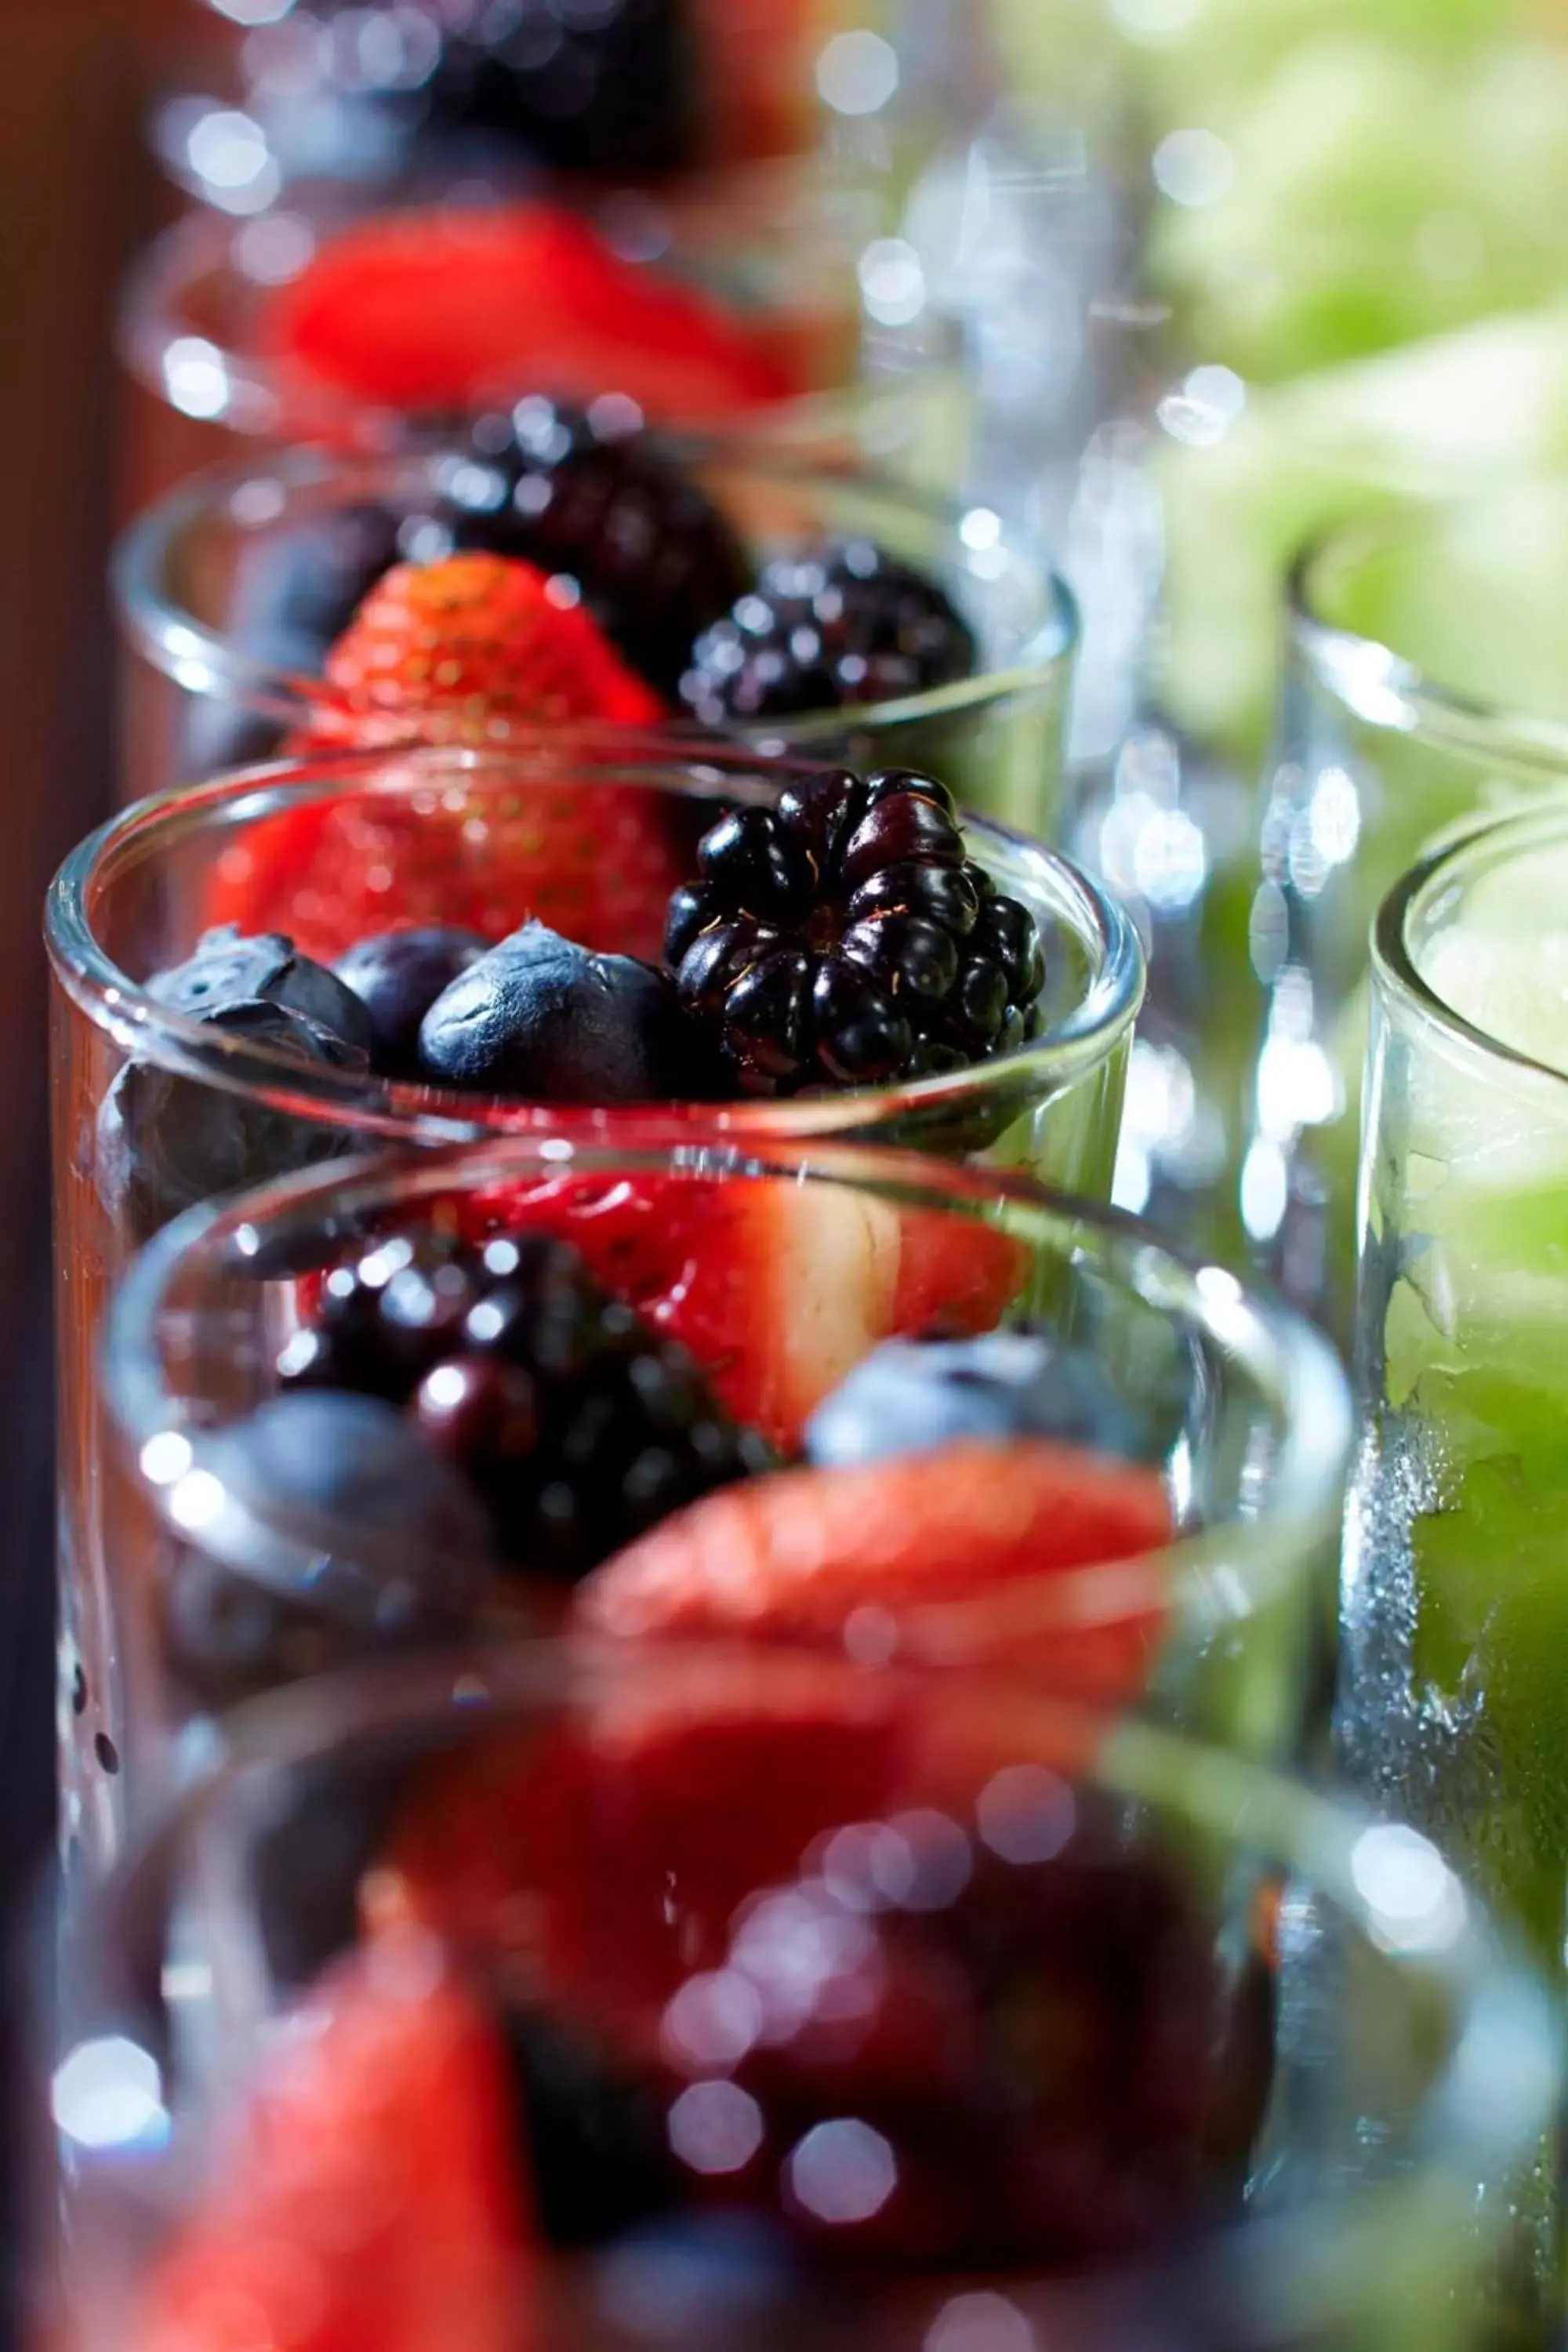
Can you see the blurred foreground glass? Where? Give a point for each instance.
(1006, 2026)
(1454, 1707)
(234, 587)
(154, 1112)
(781, 1270)
(1427, 656)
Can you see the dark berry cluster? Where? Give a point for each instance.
(824, 629)
(535, 1015)
(844, 939)
(577, 1426)
(592, 497)
(593, 86)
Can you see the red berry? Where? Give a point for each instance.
(921, 1542)
(370, 2201)
(442, 310)
(467, 649)
(602, 1859)
(595, 862)
(779, 1290)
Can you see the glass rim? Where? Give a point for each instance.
(1494, 2082)
(1386, 690)
(1394, 966)
(1227, 1570)
(153, 316)
(184, 648)
(399, 1110)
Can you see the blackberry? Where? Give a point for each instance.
(595, 498)
(577, 1426)
(843, 938)
(824, 628)
(593, 85)
(597, 86)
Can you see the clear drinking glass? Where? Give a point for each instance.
(211, 1112)
(782, 1267)
(1008, 2025)
(1423, 684)
(235, 676)
(1452, 1705)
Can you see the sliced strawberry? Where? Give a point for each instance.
(447, 308)
(920, 1545)
(468, 649)
(371, 2201)
(779, 1289)
(597, 862)
(604, 1860)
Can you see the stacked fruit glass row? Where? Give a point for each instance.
(717, 1649)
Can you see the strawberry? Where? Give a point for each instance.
(464, 650)
(597, 862)
(453, 307)
(850, 1900)
(603, 1858)
(778, 1290)
(924, 1547)
(370, 2199)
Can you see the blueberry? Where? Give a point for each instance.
(542, 1018)
(165, 1142)
(229, 969)
(909, 1396)
(397, 1533)
(397, 976)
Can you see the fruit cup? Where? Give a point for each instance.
(167, 1093)
(461, 2006)
(1451, 1704)
(928, 636)
(1102, 1469)
(1422, 689)
(344, 320)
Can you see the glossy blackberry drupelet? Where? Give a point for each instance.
(824, 628)
(577, 1426)
(590, 86)
(845, 939)
(596, 499)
